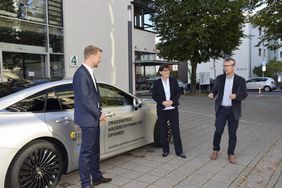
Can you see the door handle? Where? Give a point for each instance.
(110, 114)
(61, 120)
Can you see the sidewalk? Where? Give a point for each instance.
(259, 152)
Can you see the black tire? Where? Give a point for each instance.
(38, 165)
(157, 134)
(266, 89)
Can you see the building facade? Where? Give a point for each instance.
(248, 56)
(42, 39)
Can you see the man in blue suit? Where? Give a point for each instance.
(88, 114)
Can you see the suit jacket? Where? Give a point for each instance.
(86, 99)
(158, 93)
(239, 88)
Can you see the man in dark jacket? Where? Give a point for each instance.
(230, 90)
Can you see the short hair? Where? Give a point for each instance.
(230, 59)
(91, 50)
(163, 66)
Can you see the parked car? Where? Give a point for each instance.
(183, 86)
(39, 140)
(206, 87)
(264, 83)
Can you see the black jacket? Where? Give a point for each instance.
(239, 88)
(158, 93)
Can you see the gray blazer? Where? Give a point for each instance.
(239, 88)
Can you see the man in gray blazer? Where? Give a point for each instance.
(88, 114)
(230, 90)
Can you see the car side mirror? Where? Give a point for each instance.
(137, 103)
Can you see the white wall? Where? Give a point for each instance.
(257, 59)
(104, 23)
(139, 44)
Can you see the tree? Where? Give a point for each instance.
(269, 18)
(273, 68)
(198, 30)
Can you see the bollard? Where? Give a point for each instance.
(259, 91)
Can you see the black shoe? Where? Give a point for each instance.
(165, 154)
(182, 156)
(102, 180)
(90, 186)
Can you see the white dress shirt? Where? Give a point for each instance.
(167, 92)
(91, 71)
(226, 101)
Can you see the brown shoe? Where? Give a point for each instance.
(214, 155)
(232, 159)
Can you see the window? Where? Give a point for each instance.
(56, 40)
(24, 22)
(65, 96)
(32, 10)
(53, 103)
(143, 12)
(57, 67)
(34, 103)
(22, 32)
(259, 31)
(18, 66)
(60, 98)
(251, 80)
(259, 52)
(112, 96)
(55, 12)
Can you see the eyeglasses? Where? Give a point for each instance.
(228, 65)
(165, 70)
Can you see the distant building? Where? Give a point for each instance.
(248, 56)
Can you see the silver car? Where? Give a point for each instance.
(39, 140)
(263, 83)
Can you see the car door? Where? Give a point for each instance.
(59, 115)
(250, 83)
(260, 82)
(125, 125)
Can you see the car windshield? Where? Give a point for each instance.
(7, 88)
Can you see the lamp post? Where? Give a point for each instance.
(263, 60)
(129, 25)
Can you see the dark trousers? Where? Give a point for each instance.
(89, 158)
(223, 115)
(173, 117)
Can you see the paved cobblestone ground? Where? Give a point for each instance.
(259, 152)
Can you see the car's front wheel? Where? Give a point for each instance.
(157, 134)
(267, 88)
(39, 164)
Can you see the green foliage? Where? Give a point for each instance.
(273, 67)
(269, 17)
(198, 30)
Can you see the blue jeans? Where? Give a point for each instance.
(224, 115)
